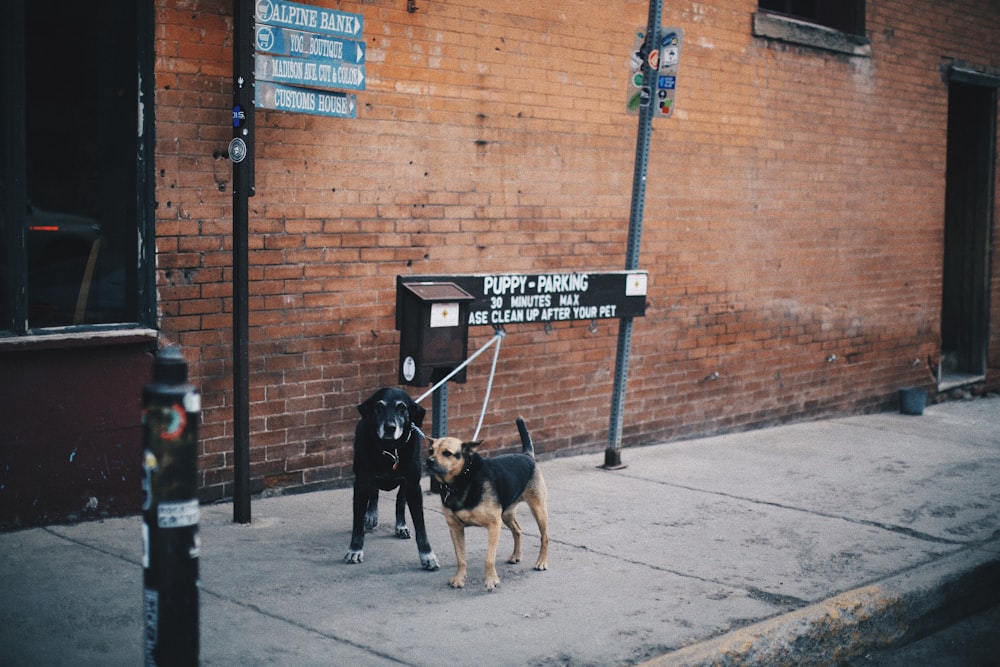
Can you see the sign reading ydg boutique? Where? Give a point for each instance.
(548, 297)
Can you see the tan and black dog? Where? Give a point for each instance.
(477, 491)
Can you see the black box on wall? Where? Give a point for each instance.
(433, 323)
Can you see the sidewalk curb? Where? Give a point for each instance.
(898, 610)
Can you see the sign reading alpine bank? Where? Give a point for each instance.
(311, 19)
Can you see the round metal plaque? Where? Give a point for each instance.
(237, 150)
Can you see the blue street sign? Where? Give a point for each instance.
(308, 18)
(286, 42)
(303, 100)
(309, 72)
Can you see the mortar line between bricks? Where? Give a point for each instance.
(900, 530)
(245, 605)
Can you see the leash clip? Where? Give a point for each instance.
(394, 455)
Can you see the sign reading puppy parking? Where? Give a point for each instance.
(516, 298)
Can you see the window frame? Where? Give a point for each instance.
(827, 13)
(807, 31)
(14, 323)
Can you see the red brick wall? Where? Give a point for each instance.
(793, 227)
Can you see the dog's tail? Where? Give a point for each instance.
(526, 446)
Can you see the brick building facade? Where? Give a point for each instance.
(796, 222)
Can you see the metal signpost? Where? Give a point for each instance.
(241, 152)
(301, 52)
(650, 61)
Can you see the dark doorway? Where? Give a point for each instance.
(968, 206)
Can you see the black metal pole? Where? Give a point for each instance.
(241, 152)
(170, 513)
(613, 455)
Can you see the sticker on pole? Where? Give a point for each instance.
(659, 64)
(178, 515)
(237, 150)
(666, 75)
(636, 77)
(635, 284)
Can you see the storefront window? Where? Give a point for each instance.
(73, 199)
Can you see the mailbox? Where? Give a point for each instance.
(433, 323)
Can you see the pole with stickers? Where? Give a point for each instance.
(651, 91)
(170, 513)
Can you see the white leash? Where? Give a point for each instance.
(489, 387)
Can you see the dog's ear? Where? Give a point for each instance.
(417, 413)
(367, 408)
(469, 448)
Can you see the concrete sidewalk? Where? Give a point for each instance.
(804, 544)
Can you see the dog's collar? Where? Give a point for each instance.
(446, 489)
(394, 453)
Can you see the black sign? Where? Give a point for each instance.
(524, 298)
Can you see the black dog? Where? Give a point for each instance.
(388, 448)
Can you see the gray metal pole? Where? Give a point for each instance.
(613, 455)
(440, 403)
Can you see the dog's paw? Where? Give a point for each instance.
(371, 521)
(429, 561)
(457, 581)
(492, 582)
(542, 565)
(402, 532)
(355, 556)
